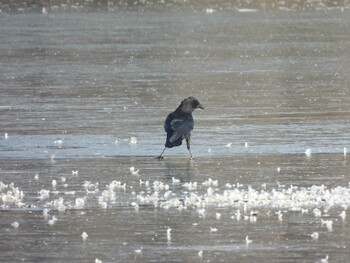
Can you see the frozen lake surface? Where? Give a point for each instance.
(271, 163)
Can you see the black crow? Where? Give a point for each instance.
(179, 124)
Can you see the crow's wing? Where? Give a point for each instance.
(181, 127)
(167, 124)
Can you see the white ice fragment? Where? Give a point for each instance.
(190, 186)
(218, 216)
(91, 187)
(138, 251)
(245, 208)
(246, 145)
(201, 212)
(210, 10)
(84, 235)
(238, 215)
(308, 152)
(238, 185)
(343, 215)
(287, 198)
(317, 212)
(44, 194)
(253, 216)
(46, 213)
(345, 151)
(168, 234)
(146, 183)
(6, 136)
(209, 150)
(325, 210)
(59, 204)
(36, 177)
(135, 206)
(200, 253)
(211, 182)
(160, 186)
(175, 181)
(304, 211)
(54, 184)
(61, 208)
(133, 140)
(315, 235)
(12, 196)
(246, 10)
(15, 224)
(228, 145)
(278, 169)
(167, 194)
(213, 229)
(44, 11)
(75, 172)
(248, 241)
(52, 221)
(133, 171)
(79, 203)
(328, 223)
(58, 142)
(324, 260)
(253, 219)
(279, 215)
(103, 204)
(280, 185)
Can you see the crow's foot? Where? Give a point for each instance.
(160, 158)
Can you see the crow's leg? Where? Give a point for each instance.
(188, 143)
(160, 157)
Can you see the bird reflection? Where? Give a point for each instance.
(180, 169)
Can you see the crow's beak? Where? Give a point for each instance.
(200, 106)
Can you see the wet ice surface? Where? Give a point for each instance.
(75, 89)
(123, 212)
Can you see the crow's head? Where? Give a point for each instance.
(189, 104)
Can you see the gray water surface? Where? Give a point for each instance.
(76, 87)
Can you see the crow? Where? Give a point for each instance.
(179, 124)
